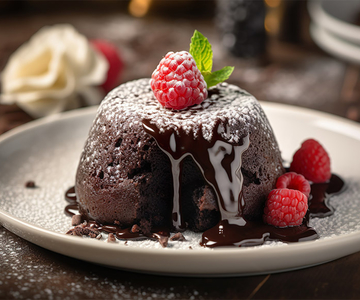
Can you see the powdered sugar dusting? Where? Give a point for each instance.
(135, 100)
(119, 121)
(31, 277)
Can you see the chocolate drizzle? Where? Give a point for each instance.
(218, 160)
(73, 206)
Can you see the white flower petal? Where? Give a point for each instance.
(63, 87)
(98, 72)
(45, 74)
(49, 106)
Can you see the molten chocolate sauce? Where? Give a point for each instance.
(73, 207)
(319, 205)
(218, 160)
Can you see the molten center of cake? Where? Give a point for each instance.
(218, 160)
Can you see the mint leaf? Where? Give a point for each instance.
(201, 51)
(213, 78)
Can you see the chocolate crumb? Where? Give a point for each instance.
(125, 243)
(190, 247)
(30, 184)
(111, 238)
(93, 233)
(81, 230)
(76, 220)
(178, 237)
(135, 228)
(70, 231)
(163, 240)
(83, 225)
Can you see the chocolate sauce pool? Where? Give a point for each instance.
(256, 233)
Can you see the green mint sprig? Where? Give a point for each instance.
(201, 51)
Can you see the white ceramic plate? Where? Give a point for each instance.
(337, 18)
(47, 151)
(334, 45)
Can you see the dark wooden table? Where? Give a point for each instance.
(297, 74)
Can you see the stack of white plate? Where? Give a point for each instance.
(334, 29)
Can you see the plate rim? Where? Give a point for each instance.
(7, 220)
(338, 27)
(344, 50)
(44, 120)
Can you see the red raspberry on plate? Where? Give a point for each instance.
(294, 181)
(312, 161)
(177, 82)
(285, 207)
(115, 63)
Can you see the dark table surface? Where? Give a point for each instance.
(297, 74)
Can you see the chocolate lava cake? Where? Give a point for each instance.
(135, 148)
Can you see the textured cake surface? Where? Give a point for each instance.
(124, 176)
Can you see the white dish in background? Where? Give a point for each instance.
(47, 151)
(337, 17)
(335, 46)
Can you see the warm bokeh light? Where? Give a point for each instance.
(271, 22)
(273, 3)
(139, 8)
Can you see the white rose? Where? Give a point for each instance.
(53, 72)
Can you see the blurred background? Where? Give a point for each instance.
(283, 51)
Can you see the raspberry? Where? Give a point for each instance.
(294, 181)
(177, 82)
(312, 161)
(285, 207)
(115, 63)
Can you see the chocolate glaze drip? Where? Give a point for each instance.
(70, 195)
(73, 207)
(218, 160)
